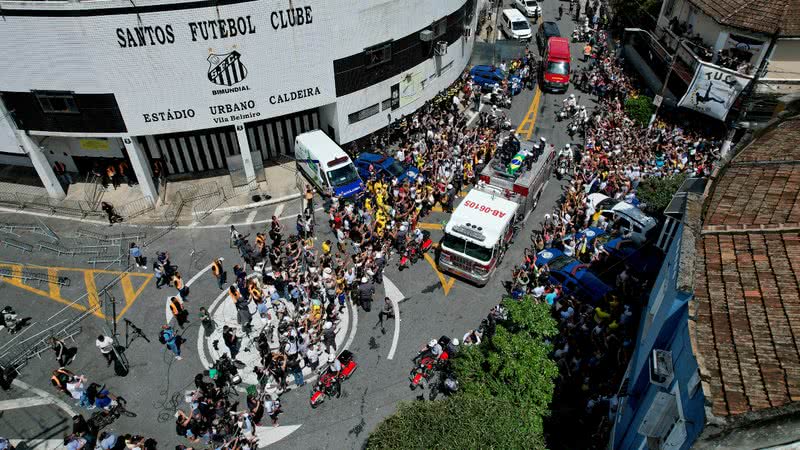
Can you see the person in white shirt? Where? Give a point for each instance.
(106, 346)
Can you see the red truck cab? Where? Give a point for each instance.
(555, 65)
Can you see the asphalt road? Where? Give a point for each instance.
(432, 306)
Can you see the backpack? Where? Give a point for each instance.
(161, 337)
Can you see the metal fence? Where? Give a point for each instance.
(73, 208)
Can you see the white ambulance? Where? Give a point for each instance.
(477, 235)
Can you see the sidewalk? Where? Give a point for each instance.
(185, 202)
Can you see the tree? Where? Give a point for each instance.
(656, 193)
(506, 385)
(640, 109)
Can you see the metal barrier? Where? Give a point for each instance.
(38, 277)
(8, 242)
(137, 207)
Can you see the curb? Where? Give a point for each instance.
(247, 206)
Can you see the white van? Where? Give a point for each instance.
(514, 25)
(629, 217)
(326, 165)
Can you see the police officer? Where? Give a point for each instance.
(365, 291)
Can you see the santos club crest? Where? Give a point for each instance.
(227, 69)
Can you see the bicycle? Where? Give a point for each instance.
(101, 419)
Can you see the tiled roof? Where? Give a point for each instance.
(757, 15)
(747, 279)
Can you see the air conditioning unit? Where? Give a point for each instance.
(441, 48)
(426, 35)
(661, 372)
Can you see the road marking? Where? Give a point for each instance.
(167, 311)
(38, 444)
(54, 290)
(53, 399)
(395, 296)
(24, 402)
(270, 435)
(279, 210)
(224, 219)
(251, 216)
(446, 284)
(526, 127)
(429, 226)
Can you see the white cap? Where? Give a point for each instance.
(331, 358)
(327, 326)
(449, 186)
(432, 343)
(364, 279)
(571, 95)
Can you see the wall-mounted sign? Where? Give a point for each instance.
(713, 91)
(95, 144)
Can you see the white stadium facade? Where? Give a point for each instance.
(207, 86)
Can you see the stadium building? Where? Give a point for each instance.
(199, 87)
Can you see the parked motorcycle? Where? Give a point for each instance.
(415, 251)
(329, 383)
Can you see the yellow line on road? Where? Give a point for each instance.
(55, 288)
(446, 284)
(91, 290)
(527, 125)
(429, 226)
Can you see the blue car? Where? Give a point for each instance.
(487, 76)
(574, 276)
(641, 260)
(384, 166)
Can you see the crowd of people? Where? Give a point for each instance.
(596, 337)
(297, 286)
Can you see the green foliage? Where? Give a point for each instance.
(640, 109)
(656, 193)
(506, 386)
(459, 422)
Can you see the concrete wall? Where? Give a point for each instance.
(785, 61)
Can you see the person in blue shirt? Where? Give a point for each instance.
(168, 338)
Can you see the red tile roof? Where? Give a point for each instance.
(763, 16)
(747, 279)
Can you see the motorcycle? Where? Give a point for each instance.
(572, 128)
(562, 168)
(428, 364)
(329, 384)
(414, 251)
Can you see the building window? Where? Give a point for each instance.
(378, 54)
(386, 104)
(57, 102)
(369, 111)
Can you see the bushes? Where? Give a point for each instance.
(505, 388)
(640, 109)
(656, 193)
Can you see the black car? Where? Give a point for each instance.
(546, 31)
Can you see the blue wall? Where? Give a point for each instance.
(668, 330)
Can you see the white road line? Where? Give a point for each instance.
(188, 283)
(279, 210)
(224, 219)
(251, 216)
(395, 296)
(24, 402)
(352, 328)
(53, 399)
(38, 444)
(271, 435)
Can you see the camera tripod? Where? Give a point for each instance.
(137, 332)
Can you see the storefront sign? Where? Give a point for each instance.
(95, 144)
(713, 91)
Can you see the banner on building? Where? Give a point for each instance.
(743, 43)
(713, 91)
(410, 88)
(395, 96)
(95, 144)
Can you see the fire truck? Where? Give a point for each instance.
(483, 225)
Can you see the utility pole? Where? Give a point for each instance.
(745, 95)
(666, 81)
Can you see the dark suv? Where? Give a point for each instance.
(546, 31)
